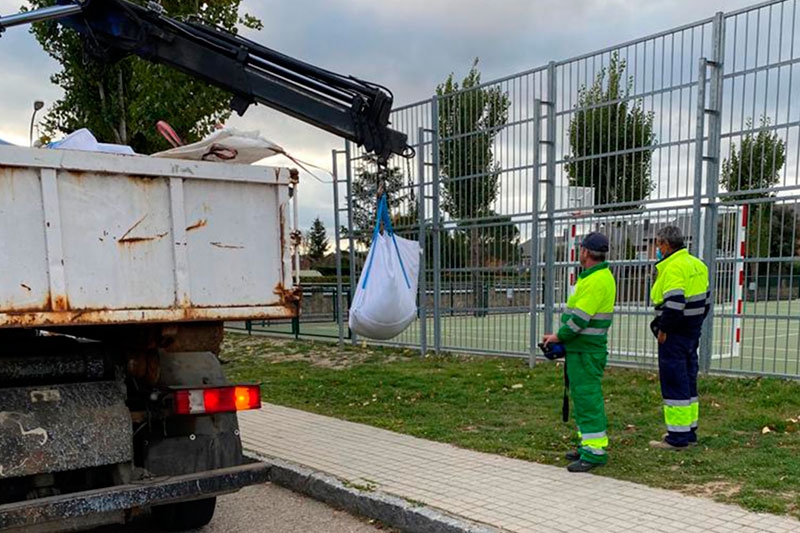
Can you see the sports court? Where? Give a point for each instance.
(769, 336)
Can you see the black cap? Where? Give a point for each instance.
(595, 242)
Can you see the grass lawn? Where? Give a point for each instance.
(748, 454)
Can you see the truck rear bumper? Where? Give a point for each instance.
(104, 506)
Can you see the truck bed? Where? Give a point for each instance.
(89, 239)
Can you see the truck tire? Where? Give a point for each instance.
(184, 515)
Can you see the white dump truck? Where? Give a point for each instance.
(117, 274)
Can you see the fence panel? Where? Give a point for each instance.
(759, 175)
(697, 126)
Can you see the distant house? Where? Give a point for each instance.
(631, 237)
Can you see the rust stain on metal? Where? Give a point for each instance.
(125, 236)
(27, 288)
(45, 319)
(60, 302)
(289, 296)
(229, 246)
(282, 215)
(197, 225)
(134, 240)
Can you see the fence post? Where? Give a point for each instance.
(337, 236)
(534, 266)
(437, 248)
(348, 161)
(423, 278)
(712, 159)
(550, 180)
(699, 158)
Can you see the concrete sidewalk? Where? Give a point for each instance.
(503, 493)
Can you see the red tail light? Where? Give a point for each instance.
(217, 400)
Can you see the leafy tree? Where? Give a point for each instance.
(755, 164)
(607, 120)
(364, 204)
(750, 170)
(470, 117)
(121, 102)
(317, 241)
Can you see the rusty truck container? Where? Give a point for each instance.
(118, 273)
(91, 239)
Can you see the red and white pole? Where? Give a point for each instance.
(738, 281)
(573, 258)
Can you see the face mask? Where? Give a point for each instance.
(659, 255)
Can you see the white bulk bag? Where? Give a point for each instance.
(385, 302)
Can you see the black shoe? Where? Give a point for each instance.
(572, 455)
(582, 466)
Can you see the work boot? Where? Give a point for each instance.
(664, 445)
(691, 442)
(582, 466)
(572, 455)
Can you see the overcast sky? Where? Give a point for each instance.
(409, 46)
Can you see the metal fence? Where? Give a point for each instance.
(697, 126)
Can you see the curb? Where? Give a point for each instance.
(387, 509)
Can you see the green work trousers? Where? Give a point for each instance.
(585, 373)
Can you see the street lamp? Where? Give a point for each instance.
(37, 105)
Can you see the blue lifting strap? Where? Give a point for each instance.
(383, 216)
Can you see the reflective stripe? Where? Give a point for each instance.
(678, 403)
(697, 297)
(587, 436)
(694, 399)
(594, 331)
(679, 429)
(582, 314)
(603, 316)
(659, 312)
(694, 312)
(573, 326)
(678, 306)
(678, 415)
(593, 451)
(674, 292)
(694, 425)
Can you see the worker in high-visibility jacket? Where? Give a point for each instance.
(682, 301)
(584, 334)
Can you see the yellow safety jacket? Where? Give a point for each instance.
(590, 311)
(680, 293)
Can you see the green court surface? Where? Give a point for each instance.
(769, 334)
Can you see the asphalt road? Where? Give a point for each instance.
(269, 508)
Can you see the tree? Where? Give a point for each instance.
(121, 102)
(364, 203)
(608, 121)
(750, 170)
(317, 241)
(470, 117)
(756, 164)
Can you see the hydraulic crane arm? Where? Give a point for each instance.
(345, 106)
